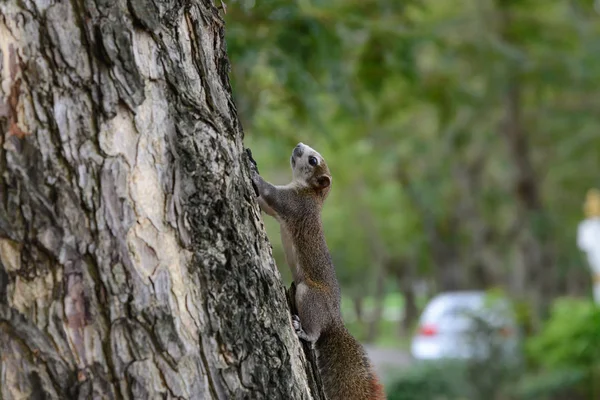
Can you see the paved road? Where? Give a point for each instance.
(388, 359)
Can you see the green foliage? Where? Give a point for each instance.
(551, 385)
(568, 351)
(429, 381)
(570, 338)
(449, 380)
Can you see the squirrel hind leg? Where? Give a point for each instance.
(300, 331)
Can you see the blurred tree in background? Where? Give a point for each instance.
(462, 136)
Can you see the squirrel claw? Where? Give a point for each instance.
(298, 328)
(252, 160)
(255, 189)
(253, 170)
(296, 323)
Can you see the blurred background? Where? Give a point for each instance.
(462, 137)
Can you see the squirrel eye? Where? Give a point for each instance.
(312, 161)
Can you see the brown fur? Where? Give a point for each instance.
(338, 350)
(346, 371)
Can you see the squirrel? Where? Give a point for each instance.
(345, 369)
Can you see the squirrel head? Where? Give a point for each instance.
(310, 170)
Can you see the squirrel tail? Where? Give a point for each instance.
(345, 369)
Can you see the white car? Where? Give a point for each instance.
(466, 325)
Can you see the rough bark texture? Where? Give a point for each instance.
(133, 261)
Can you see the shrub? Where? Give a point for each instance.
(444, 380)
(570, 341)
(558, 384)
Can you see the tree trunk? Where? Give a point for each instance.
(133, 260)
(403, 271)
(441, 237)
(380, 258)
(377, 315)
(540, 273)
(411, 312)
(357, 303)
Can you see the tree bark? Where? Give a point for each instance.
(133, 259)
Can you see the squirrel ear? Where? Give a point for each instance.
(323, 181)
